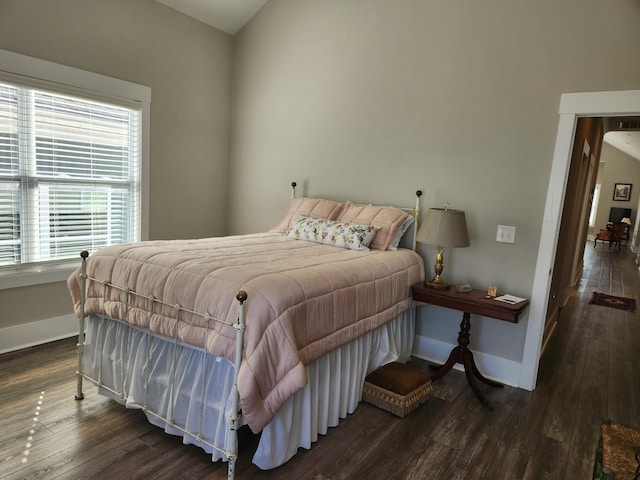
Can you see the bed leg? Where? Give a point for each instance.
(80, 345)
(235, 405)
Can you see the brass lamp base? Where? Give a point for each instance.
(437, 282)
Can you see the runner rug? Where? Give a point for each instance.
(622, 303)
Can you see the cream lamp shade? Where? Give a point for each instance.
(443, 228)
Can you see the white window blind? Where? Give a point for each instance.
(69, 175)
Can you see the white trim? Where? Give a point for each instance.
(145, 166)
(38, 69)
(37, 275)
(27, 335)
(600, 104)
(572, 106)
(494, 368)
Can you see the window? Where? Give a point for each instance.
(74, 167)
(69, 175)
(594, 205)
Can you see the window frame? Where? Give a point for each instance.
(43, 74)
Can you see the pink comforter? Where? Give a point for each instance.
(304, 299)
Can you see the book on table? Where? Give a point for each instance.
(510, 299)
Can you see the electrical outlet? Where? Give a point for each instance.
(506, 234)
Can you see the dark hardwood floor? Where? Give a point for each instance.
(590, 370)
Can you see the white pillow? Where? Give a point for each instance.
(332, 232)
(400, 232)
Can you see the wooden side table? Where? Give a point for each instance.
(468, 303)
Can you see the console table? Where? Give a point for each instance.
(468, 303)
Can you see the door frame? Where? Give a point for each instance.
(572, 106)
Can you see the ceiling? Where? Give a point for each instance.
(625, 141)
(226, 15)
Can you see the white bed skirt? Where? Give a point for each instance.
(178, 372)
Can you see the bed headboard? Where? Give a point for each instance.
(415, 211)
(409, 238)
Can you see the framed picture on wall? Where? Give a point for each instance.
(622, 192)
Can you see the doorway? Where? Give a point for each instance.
(568, 263)
(572, 107)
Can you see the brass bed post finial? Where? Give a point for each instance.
(293, 189)
(241, 296)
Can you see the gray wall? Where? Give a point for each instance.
(188, 67)
(369, 100)
(362, 100)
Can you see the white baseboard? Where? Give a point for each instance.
(495, 368)
(36, 333)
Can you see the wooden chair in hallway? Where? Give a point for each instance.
(614, 234)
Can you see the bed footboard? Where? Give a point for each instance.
(235, 415)
(81, 316)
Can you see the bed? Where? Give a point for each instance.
(274, 330)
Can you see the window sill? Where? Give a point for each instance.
(15, 278)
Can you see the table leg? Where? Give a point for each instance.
(462, 354)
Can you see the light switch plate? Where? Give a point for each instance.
(506, 234)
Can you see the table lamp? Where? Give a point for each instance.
(444, 228)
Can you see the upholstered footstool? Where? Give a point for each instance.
(397, 388)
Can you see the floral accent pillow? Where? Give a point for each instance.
(330, 232)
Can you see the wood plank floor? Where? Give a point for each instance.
(590, 370)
